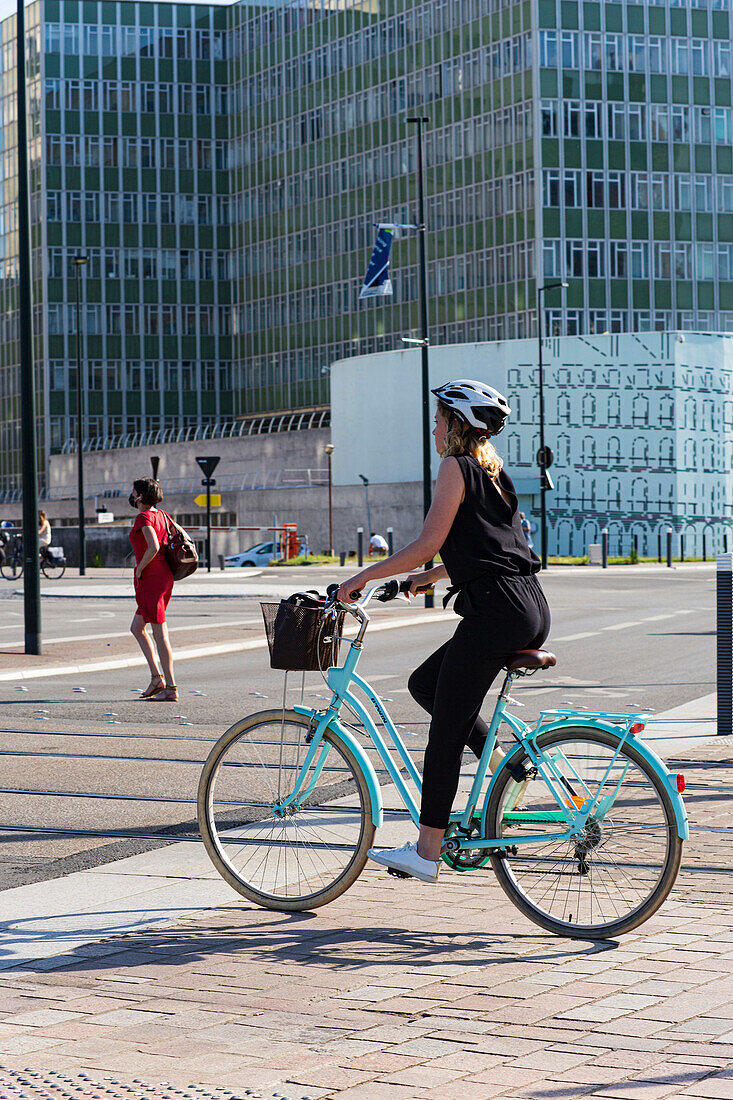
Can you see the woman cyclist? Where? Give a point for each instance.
(474, 524)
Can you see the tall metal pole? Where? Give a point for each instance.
(329, 454)
(424, 332)
(29, 465)
(543, 489)
(78, 262)
(542, 454)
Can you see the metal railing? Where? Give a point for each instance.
(223, 429)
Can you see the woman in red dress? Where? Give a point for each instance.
(153, 588)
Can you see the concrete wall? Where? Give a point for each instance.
(255, 457)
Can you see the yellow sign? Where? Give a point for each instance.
(200, 500)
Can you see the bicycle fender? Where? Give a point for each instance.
(648, 754)
(375, 791)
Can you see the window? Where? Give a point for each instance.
(616, 121)
(683, 260)
(680, 56)
(639, 191)
(574, 259)
(700, 57)
(571, 118)
(639, 260)
(680, 124)
(616, 190)
(660, 191)
(596, 259)
(619, 259)
(593, 51)
(636, 53)
(683, 192)
(569, 49)
(656, 54)
(593, 114)
(662, 260)
(550, 187)
(595, 188)
(637, 122)
(551, 258)
(548, 49)
(725, 194)
(704, 194)
(548, 117)
(571, 187)
(614, 52)
(721, 58)
(706, 261)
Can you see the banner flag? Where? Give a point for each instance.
(377, 282)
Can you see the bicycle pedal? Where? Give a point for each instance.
(397, 874)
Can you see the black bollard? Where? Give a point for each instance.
(604, 548)
(669, 547)
(659, 546)
(342, 558)
(704, 546)
(360, 546)
(390, 541)
(682, 547)
(724, 602)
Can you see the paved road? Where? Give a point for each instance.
(625, 639)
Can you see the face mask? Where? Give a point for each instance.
(133, 500)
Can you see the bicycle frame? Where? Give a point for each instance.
(569, 816)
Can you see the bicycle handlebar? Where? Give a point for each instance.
(385, 592)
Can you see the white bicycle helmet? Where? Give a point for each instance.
(481, 405)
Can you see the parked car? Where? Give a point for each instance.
(261, 554)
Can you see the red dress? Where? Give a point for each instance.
(152, 590)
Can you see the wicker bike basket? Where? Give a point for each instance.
(301, 638)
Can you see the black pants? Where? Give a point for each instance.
(502, 616)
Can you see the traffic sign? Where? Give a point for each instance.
(208, 464)
(545, 457)
(214, 499)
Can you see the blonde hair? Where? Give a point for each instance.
(463, 439)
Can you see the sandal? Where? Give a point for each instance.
(157, 683)
(167, 694)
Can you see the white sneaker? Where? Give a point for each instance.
(407, 860)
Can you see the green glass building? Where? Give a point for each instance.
(223, 168)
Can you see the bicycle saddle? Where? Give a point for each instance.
(531, 658)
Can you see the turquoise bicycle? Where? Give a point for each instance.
(580, 821)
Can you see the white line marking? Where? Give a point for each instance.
(125, 633)
(197, 651)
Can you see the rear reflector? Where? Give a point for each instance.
(680, 782)
(637, 727)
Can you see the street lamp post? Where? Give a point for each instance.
(424, 331)
(29, 459)
(329, 455)
(79, 262)
(366, 493)
(542, 453)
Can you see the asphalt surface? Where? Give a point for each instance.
(626, 639)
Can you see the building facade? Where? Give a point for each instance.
(222, 169)
(641, 427)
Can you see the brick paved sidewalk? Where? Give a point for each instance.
(396, 992)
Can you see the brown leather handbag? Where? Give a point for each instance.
(180, 552)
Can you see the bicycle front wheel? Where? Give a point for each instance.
(613, 876)
(12, 568)
(289, 856)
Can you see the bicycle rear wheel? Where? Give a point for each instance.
(54, 570)
(619, 871)
(290, 858)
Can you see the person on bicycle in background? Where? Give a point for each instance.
(474, 524)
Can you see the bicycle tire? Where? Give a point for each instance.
(654, 837)
(52, 571)
(349, 829)
(12, 570)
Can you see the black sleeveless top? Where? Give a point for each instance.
(486, 536)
